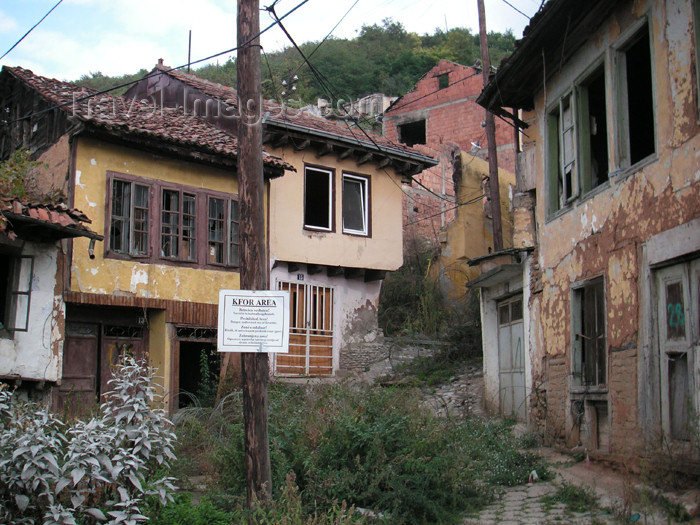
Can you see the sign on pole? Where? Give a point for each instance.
(253, 321)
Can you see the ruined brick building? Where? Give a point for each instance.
(441, 118)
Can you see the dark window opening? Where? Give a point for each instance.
(640, 102)
(443, 80)
(200, 364)
(597, 132)
(591, 333)
(412, 133)
(317, 199)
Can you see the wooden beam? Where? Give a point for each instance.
(282, 140)
(364, 159)
(334, 271)
(352, 273)
(302, 145)
(384, 163)
(374, 275)
(345, 154)
(324, 150)
(292, 267)
(314, 268)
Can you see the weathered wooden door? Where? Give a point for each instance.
(117, 342)
(310, 331)
(678, 310)
(511, 360)
(77, 394)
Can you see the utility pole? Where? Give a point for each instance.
(494, 189)
(254, 366)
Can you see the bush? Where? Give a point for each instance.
(409, 301)
(99, 470)
(373, 448)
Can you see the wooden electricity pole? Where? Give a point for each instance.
(254, 366)
(494, 189)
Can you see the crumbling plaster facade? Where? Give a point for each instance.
(606, 233)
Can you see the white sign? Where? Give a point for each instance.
(253, 321)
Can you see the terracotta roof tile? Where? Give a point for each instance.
(136, 118)
(279, 115)
(70, 220)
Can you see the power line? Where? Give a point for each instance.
(516, 9)
(31, 29)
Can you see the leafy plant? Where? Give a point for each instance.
(99, 470)
(374, 448)
(576, 498)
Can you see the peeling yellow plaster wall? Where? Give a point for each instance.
(112, 276)
(470, 235)
(160, 357)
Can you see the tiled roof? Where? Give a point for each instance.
(120, 116)
(281, 116)
(37, 220)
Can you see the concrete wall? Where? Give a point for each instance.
(603, 233)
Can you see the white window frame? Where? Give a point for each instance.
(363, 183)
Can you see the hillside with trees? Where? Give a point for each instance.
(381, 59)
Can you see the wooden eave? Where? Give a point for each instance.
(549, 42)
(405, 165)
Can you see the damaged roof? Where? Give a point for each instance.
(554, 34)
(279, 118)
(136, 120)
(42, 222)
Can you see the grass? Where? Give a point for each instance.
(576, 498)
(344, 444)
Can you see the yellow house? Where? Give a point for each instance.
(335, 224)
(162, 187)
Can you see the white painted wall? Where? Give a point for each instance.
(29, 355)
(348, 296)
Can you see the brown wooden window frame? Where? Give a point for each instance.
(192, 224)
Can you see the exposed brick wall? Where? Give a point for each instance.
(454, 122)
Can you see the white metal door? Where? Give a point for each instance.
(511, 359)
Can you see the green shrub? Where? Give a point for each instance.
(374, 448)
(92, 471)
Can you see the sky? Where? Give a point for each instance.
(116, 37)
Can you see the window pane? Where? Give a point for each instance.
(317, 199)
(170, 218)
(354, 205)
(140, 224)
(234, 236)
(503, 314)
(188, 227)
(119, 224)
(675, 311)
(517, 310)
(216, 231)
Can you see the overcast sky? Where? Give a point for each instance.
(122, 36)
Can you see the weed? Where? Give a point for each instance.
(576, 498)
(374, 448)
